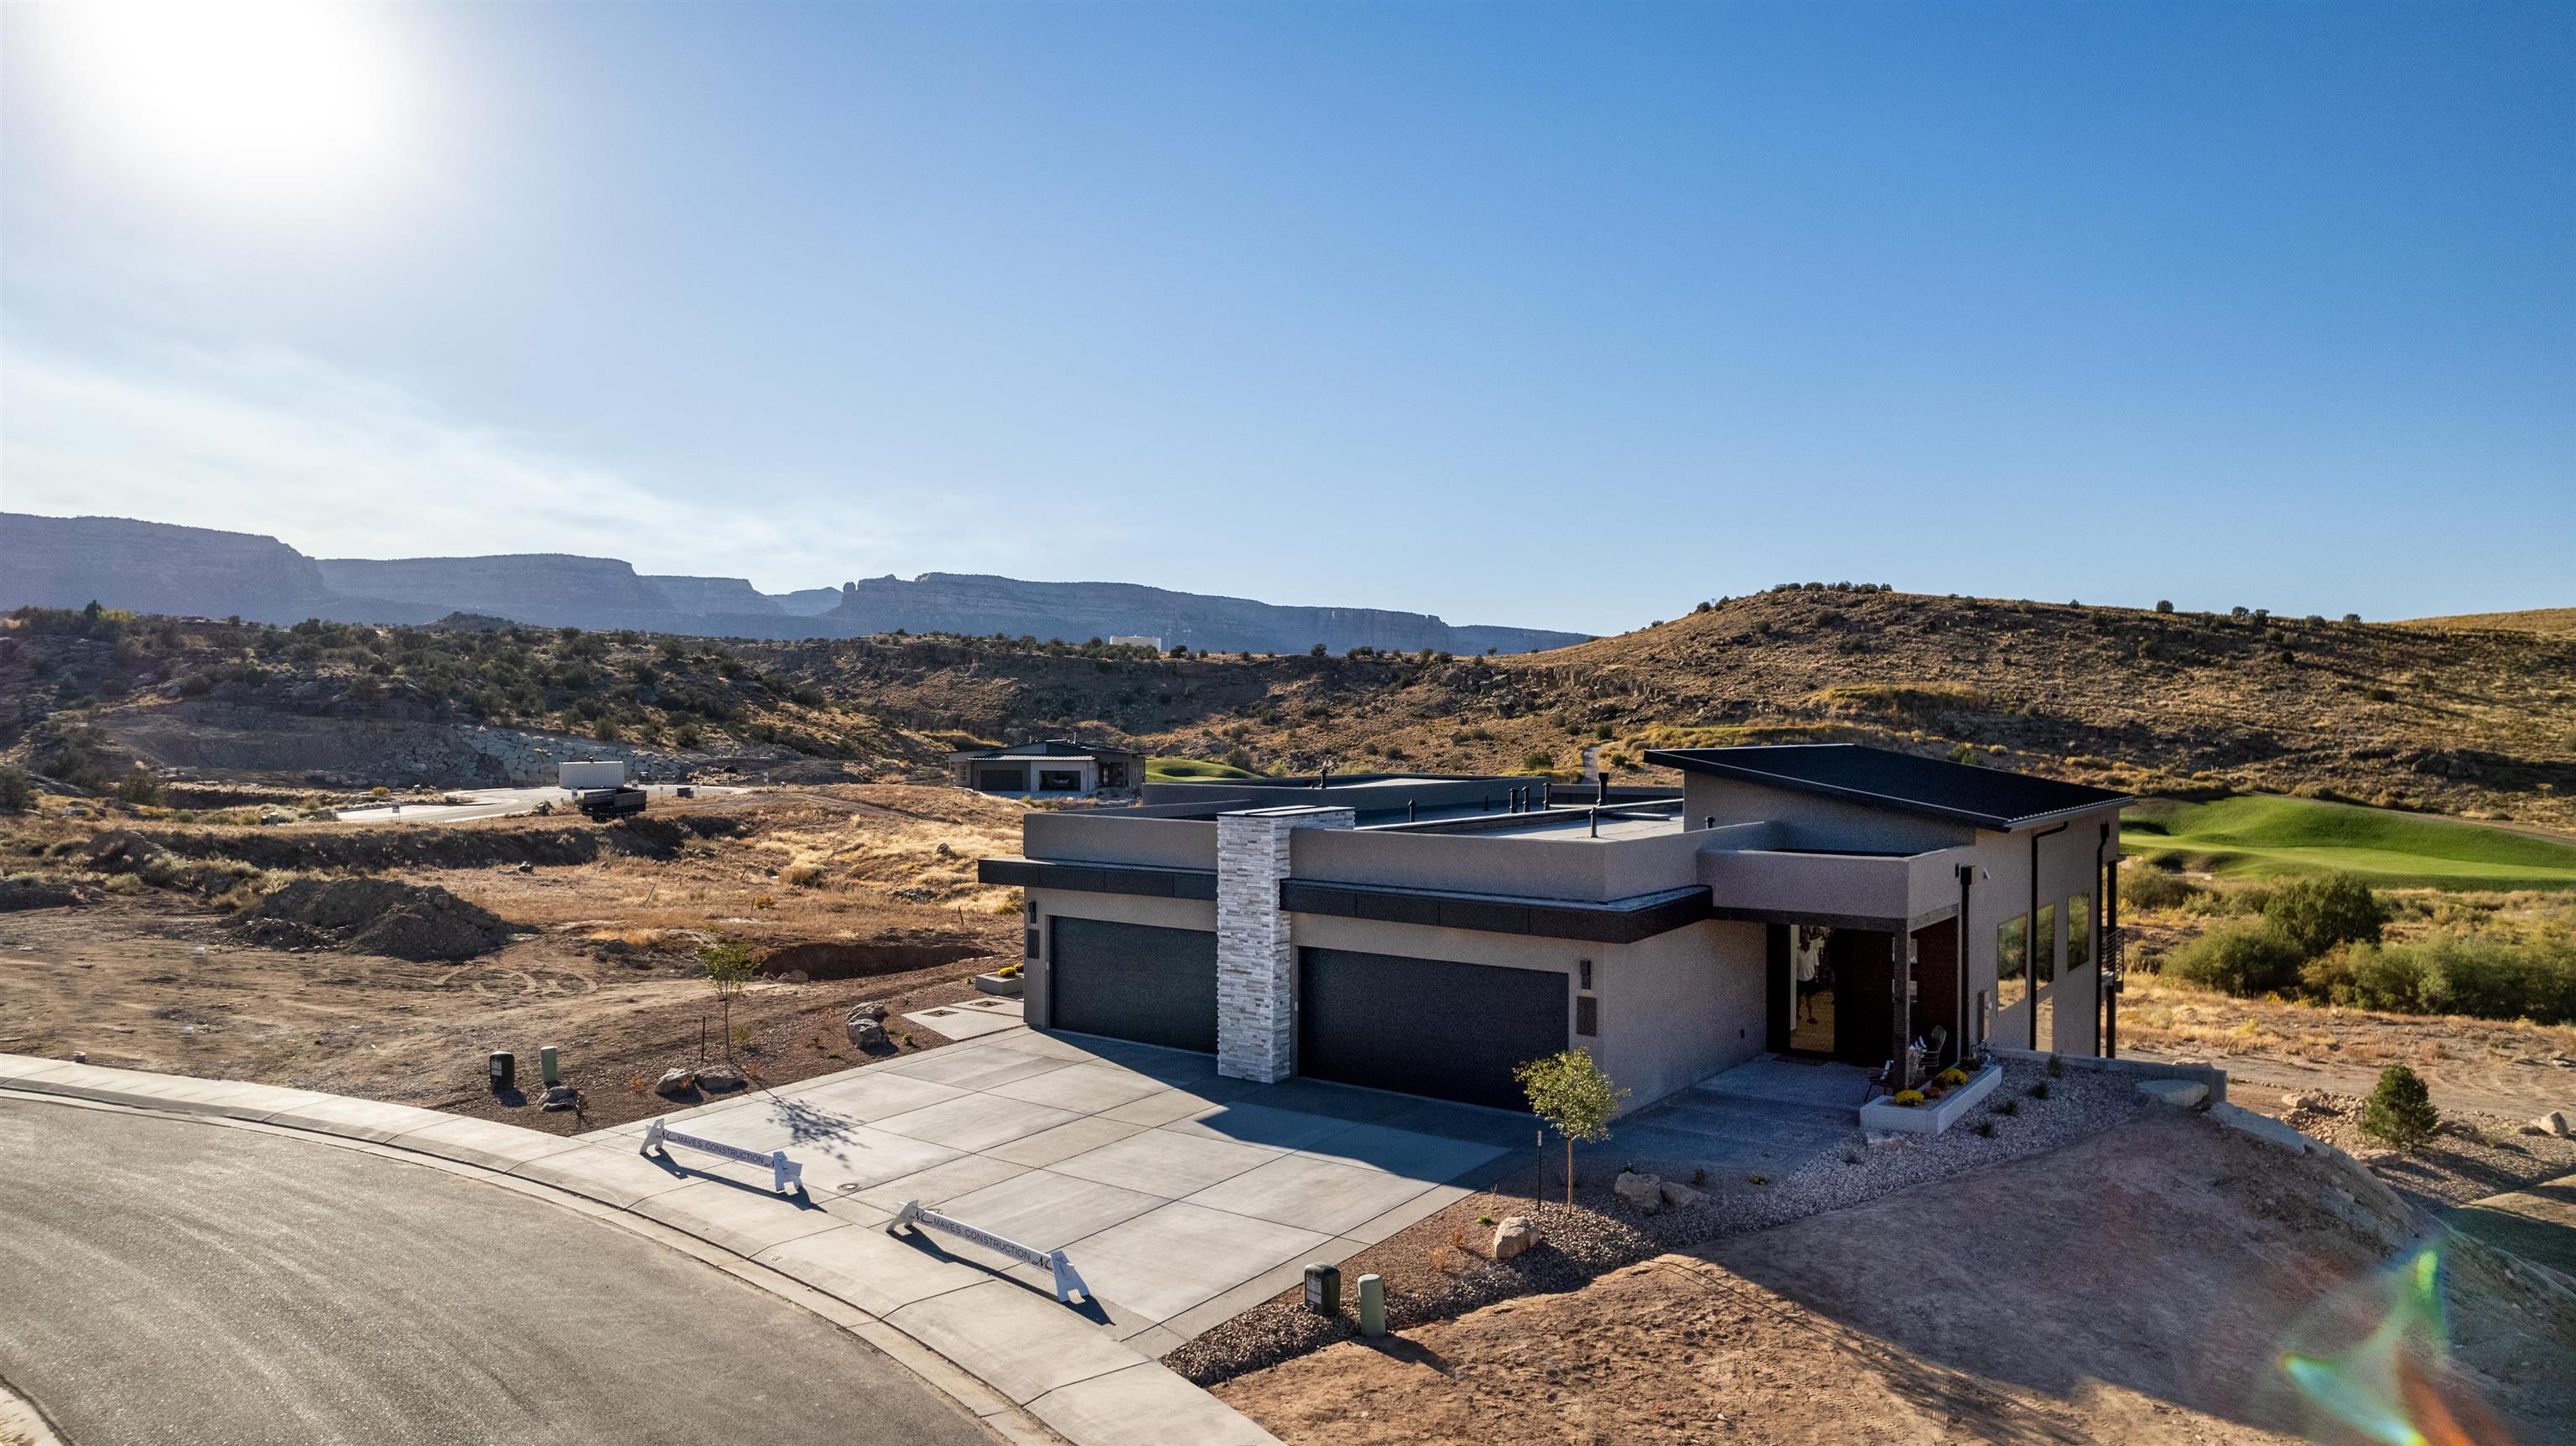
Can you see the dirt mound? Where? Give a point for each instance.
(375, 916)
(482, 844)
(41, 891)
(864, 961)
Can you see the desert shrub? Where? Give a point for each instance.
(139, 787)
(2318, 913)
(2238, 958)
(2452, 974)
(16, 793)
(2400, 1110)
(2144, 886)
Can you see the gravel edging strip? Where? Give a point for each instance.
(1591, 1239)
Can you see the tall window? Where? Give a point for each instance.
(2010, 986)
(2079, 932)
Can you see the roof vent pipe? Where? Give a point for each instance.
(1596, 823)
(1600, 789)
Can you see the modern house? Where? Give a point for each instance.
(1426, 933)
(1058, 767)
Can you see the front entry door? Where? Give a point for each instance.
(1864, 1004)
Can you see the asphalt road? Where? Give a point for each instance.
(496, 803)
(167, 1281)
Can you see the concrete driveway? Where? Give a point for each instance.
(169, 1282)
(1181, 1197)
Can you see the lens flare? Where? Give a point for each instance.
(2389, 1386)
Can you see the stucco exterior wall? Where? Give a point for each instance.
(2002, 891)
(1804, 820)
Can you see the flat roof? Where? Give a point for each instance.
(1581, 828)
(1904, 782)
(1052, 748)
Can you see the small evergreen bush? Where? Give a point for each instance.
(2400, 1111)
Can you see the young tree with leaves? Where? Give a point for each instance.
(1570, 1092)
(728, 967)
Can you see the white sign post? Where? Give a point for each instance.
(1053, 1261)
(785, 1174)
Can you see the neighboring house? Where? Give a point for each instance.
(1056, 768)
(1426, 933)
(1137, 642)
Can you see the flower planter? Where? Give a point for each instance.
(1932, 1116)
(996, 984)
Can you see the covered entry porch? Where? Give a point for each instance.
(1834, 993)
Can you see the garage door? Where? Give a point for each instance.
(1425, 1026)
(1131, 981)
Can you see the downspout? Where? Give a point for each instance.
(1959, 1040)
(2030, 938)
(2106, 948)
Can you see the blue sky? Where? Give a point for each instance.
(1552, 315)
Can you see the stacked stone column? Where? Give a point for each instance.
(1256, 961)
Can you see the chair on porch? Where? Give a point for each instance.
(1882, 1079)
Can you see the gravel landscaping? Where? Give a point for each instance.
(2473, 1157)
(1439, 1268)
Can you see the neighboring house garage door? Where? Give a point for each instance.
(1132, 981)
(1425, 1026)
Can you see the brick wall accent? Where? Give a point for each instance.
(1256, 961)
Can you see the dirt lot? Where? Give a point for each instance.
(2498, 1067)
(868, 889)
(2136, 1287)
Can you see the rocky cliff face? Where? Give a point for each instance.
(153, 567)
(714, 595)
(549, 587)
(1076, 611)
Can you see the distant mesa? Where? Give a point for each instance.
(156, 567)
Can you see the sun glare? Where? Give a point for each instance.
(263, 102)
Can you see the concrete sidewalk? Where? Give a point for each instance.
(1029, 1352)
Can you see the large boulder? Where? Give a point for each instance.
(2553, 1124)
(676, 1082)
(561, 1097)
(1516, 1234)
(1677, 1195)
(1643, 1193)
(866, 1033)
(720, 1079)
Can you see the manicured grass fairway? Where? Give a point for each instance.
(1181, 770)
(2263, 836)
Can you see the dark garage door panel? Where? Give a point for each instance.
(1133, 981)
(1425, 1026)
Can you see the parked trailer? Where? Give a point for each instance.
(591, 773)
(610, 802)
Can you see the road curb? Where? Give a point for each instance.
(1103, 1393)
